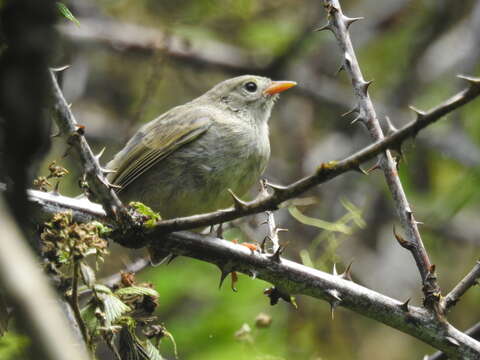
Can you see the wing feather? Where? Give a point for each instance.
(154, 142)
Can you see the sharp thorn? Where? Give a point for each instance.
(474, 81)
(276, 187)
(420, 114)
(452, 341)
(365, 85)
(390, 128)
(99, 155)
(107, 171)
(112, 186)
(57, 134)
(359, 169)
(349, 21)
(223, 276)
(334, 270)
(403, 242)
(60, 68)
(353, 110)
(374, 167)
(357, 119)
(327, 26)
(404, 305)
(347, 274)
(237, 202)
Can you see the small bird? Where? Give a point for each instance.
(183, 162)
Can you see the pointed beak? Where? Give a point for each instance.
(279, 86)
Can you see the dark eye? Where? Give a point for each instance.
(251, 86)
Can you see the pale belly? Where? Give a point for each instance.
(196, 179)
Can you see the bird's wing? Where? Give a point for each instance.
(155, 141)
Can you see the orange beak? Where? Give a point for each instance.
(279, 86)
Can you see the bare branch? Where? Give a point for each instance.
(473, 332)
(97, 182)
(294, 278)
(325, 171)
(461, 288)
(338, 23)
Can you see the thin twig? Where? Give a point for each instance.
(338, 23)
(76, 306)
(461, 288)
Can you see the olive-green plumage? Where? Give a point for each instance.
(183, 162)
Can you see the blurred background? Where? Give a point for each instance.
(132, 60)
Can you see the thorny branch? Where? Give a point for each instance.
(95, 175)
(338, 23)
(473, 332)
(294, 278)
(325, 171)
(461, 288)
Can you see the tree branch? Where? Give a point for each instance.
(294, 278)
(461, 288)
(473, 332)
(338, 23)
(325, 171)
(99, 186)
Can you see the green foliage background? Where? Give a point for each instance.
(111, 86)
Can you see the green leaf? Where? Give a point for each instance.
(143, 209)
(102, 228)
(137, 290)
(114, 307)
(321, 224)
(67, 13)
(103, 289)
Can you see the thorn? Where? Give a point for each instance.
(253, 274)
(359, 169)
(276, 255)
(237, 202)
(327, 26)
(473, 81)
(364, 85)
(374, 167)
(404, 306)
(452, 341)
(60, 68)
(390, 128)
(358, 118)
(353, 110)
(403, 243)
(57, 134)
(99, 155)
(347, 274)
(340, 69)
(262, 244)
(107, 171)
(112, 186)
(336, 299)
(420, 114)
(334, 270)
(349, 21)
(276, 187)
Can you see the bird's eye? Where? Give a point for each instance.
(251, 86)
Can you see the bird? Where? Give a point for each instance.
(186, 161)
